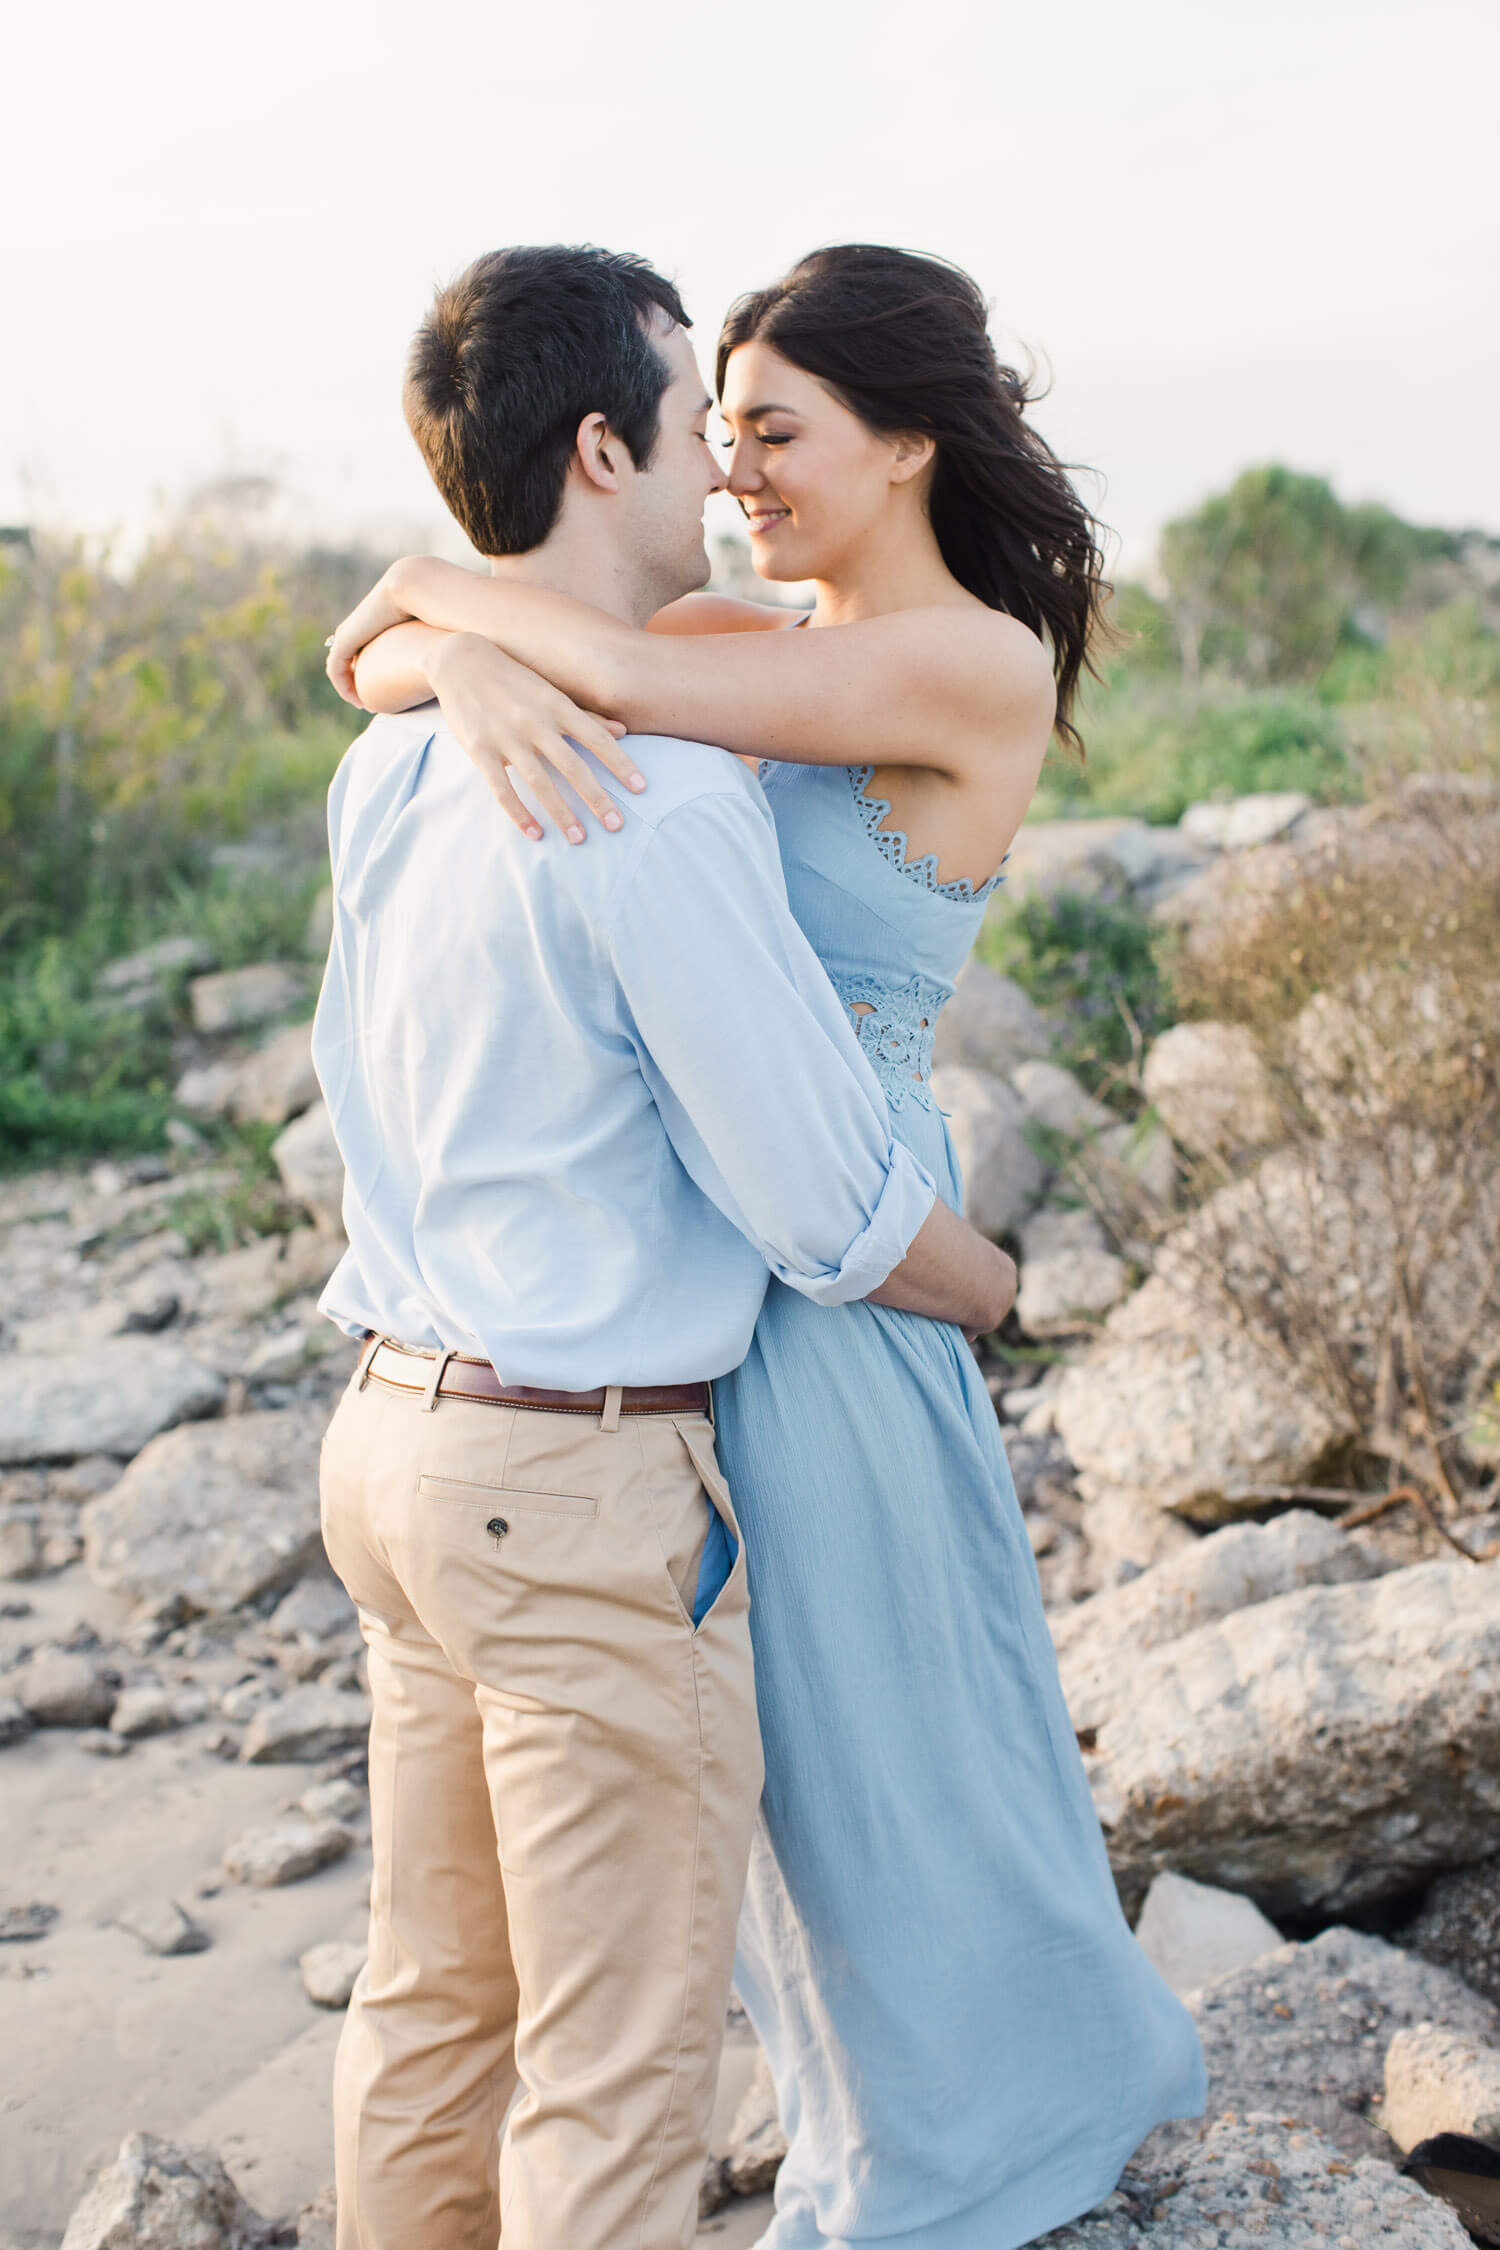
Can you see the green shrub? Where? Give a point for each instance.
(1156, 747)
(1092, 966)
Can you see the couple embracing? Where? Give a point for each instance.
(654, 1244)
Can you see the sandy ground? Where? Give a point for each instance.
(100, 2037)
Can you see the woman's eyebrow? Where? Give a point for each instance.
(754, 413)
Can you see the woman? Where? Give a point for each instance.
(966, 2041)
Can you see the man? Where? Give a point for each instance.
(586, 1101)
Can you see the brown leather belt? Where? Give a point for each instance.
(401, 1368)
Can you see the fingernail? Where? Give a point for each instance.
(535, 834)
(637, 781)
(575, 835)
(613, 820)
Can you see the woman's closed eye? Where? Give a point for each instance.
(785, 438)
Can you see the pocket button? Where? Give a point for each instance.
(497, 1527)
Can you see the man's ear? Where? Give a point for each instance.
(596, 451)
(911, 452)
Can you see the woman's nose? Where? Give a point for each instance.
(743, 475)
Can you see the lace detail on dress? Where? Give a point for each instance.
(891, 843)
(894, 1024)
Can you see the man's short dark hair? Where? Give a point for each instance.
(511, 358)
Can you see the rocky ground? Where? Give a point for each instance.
(1291, 1726)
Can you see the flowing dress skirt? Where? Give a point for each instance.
(966, 2040)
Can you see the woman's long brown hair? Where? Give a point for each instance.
(903, 341)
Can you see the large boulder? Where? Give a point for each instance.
(159, 2197)
(1069, 1275)
(1265, 2182)
(107, 1396)
(306, 1726)
(989, 1023)
(1101, 858)
(1321, 1751)
(213, 1514)
(1211, 1089)
(1305, 2029)
(312, 1171)
(1100, 1642)
(1178, 1405)
(1056, 1103)
(1001, 1171)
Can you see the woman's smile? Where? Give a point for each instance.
(762, 519)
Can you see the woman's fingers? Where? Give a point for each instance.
(529, 768)
(510, 804)
(340, 665)
(601, 736)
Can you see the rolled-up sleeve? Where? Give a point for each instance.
(751, 1060)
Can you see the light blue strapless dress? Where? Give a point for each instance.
(966, 2040)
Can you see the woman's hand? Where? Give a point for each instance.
(511, 721)
(381, 608)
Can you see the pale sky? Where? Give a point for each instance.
(1235, 232)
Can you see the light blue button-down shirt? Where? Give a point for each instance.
(587, 1097)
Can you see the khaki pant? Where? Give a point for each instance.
(563, 1779)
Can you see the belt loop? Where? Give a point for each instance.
(610, 1418)
(368, 1350)
(439, 1370)
(713, 1422)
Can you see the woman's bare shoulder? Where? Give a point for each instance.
(722, 613)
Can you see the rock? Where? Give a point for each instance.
(278, 1358)
(1037, 1463)
(714, 2190)
(1192, 1933)
(307, 1725)
(285, 1851)
(316, 2221)
(1177, 1404)
(246, 1697)
(1266, 2182)
(1069, 1275)
(156, 2196)
(312, 1171)
(144, 1710)
(989, 1023)
(1054, 1100)
(20, 1924)
(1436, 2081)
(1306, 2028)
(63, 1688)
(279, 1082)
(153, 965)
(316, 1609)
(337, 1799)
(1099, 1644)
(757, 2143)
(1458, 1926)
(1128, 1535)
(1321, 1751)
(208, 1089)
(1001, 1171)
(20, 1546)
(236, 999)
(213, 1514)
(329, 1972)
(1246, 821)
(1211, 1090)
(109, 1397)
(247, 1283)
(98, 1742)
(16, 1721)
(85, 1479)
(163, 1927)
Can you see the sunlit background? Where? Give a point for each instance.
(1234, 232)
